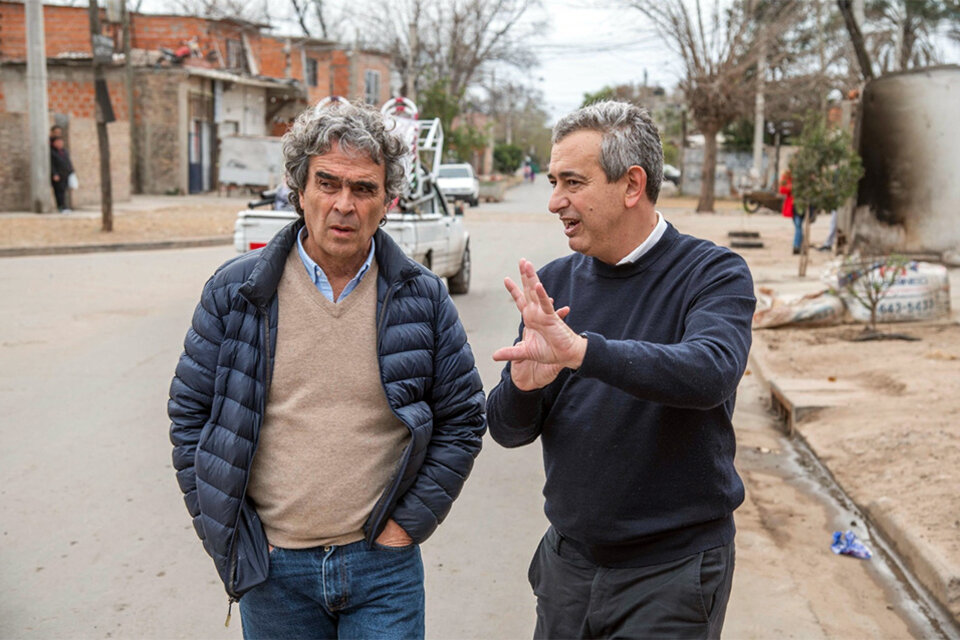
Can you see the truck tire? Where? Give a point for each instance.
(474, 201)
(460, 282)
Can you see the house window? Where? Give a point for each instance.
(235, 57)
(311, 72)
(371, 91)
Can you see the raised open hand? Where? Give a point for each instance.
(548, 344)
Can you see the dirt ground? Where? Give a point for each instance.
(893, 445)
(893, 440)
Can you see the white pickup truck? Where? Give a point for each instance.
(421, 222)
(434, 237)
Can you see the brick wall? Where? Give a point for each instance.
(70, 91)
(353, 87)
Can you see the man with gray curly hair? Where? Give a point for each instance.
(626, 368)
(326, 410)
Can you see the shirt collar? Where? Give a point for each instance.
(319, 278)
(658, 230)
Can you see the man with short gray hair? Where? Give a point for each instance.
(326, 409)
(626, 368)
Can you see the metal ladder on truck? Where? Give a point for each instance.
(425, 140)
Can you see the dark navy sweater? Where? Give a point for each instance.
(638, 444)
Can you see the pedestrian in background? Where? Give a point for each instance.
(626, 369)
(790, 211)
(60, 170)
(326, 410)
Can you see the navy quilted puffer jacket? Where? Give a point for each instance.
(222, 383)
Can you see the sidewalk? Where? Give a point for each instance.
(144, 222)
(883, 417)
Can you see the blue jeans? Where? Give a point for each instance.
(797, 230)
(338, 592)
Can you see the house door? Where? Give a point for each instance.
(196, 144)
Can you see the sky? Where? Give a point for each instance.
(586, 49)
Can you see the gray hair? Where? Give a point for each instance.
(630, 138)
(354, 126)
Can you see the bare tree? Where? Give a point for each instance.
(902, 33)
(452, 40)
(215, 9)
(718, 49)
(322, 19)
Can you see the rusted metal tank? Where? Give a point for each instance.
(909, 138)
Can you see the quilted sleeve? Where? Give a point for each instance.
(191, 392)
(458, 426)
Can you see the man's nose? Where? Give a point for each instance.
(558, 202)
(345, 201)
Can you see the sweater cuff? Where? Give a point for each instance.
(595, 359)
(524, 405)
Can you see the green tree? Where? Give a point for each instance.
(437, 101)
(825, 170)
(902, 34)
(507, 158)
(465, 141)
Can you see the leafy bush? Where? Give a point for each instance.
(826, 168)
(507, 158)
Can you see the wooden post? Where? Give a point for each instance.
(106, 188)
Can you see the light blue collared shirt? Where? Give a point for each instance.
(320, 278)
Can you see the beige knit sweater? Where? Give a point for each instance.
(329, 443)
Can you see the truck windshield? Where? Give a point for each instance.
(454, 172)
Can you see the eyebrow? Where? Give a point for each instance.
(567, 174)
(365, 184)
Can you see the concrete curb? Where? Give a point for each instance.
(14, 252)
(929, 568)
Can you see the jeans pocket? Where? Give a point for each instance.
(386, 547)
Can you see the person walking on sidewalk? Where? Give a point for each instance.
(790, 210)
(326, 410)
(626, 369)
(60, 169)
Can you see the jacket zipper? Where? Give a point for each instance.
(391, 489)
(265, 329)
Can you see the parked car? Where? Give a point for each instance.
(459, 182)
(671, 174)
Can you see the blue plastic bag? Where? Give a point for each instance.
(847, 544)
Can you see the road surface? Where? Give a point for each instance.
(97, 542)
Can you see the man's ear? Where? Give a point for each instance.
(636, 186)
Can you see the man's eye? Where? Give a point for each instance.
(327, 185)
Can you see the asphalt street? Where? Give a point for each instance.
(96, 541)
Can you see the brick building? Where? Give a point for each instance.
(196, 81)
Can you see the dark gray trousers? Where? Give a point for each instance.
(685, 598)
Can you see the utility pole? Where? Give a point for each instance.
(411, 61)
(128, 82)
(100, 84)
(823, 58)
(683, 147)
(39, 116)
(759, 109)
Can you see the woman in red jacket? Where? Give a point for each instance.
(790, 211)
